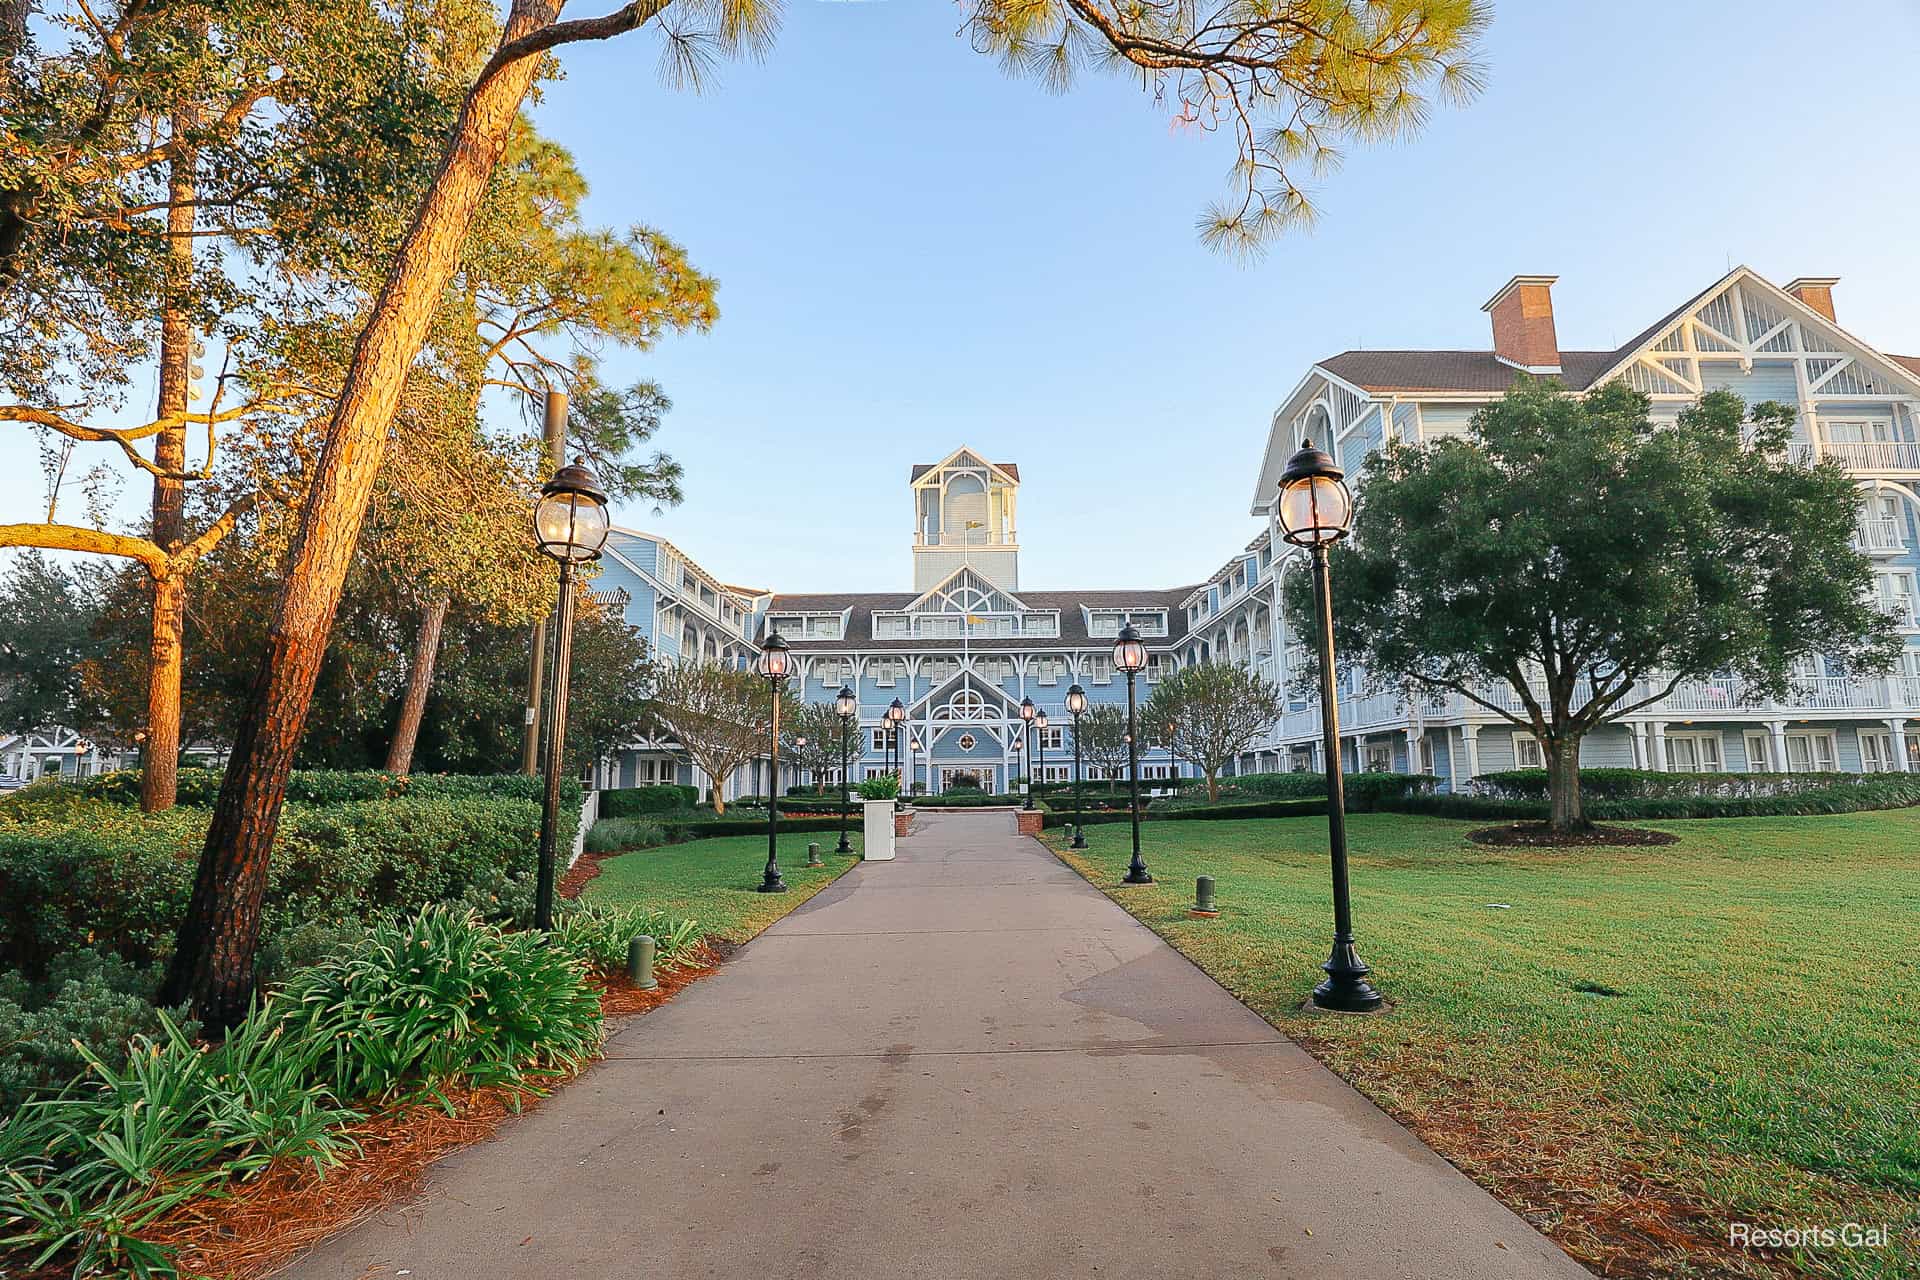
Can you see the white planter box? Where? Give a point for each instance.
(878, 831)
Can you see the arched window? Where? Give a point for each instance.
(966, 504)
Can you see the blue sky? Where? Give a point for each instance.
(916, 252)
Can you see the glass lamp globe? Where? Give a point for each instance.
(1027, 708)
(776, 660)
(1076, 701)
(1315, 505)
(1128, 653)
(896, 712)
(846, 703)
(570, 521)
(1040, 721)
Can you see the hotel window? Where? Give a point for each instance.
(1053, 738)
(1812, 753)
(1896, 592)
(1876, 752)
(883, 740)
(1047, 670)
(1379, 757)
(938, 670)
(1426, 755)
(1760, 752)
(1694, 753)
(1527, 753)
(884, 671)
(1100, 668)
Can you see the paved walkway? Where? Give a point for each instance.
(963, 1064)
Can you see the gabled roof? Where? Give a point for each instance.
(980, 583)
(1907, 362)
(1073, 632)
(1446, 371)
(1010, 470)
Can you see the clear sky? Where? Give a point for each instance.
(916, 252)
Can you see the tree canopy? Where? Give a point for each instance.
(722, 716)
(1576, 560)
(1209, 714)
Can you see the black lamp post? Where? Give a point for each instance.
(1015, 746)
(913, 770)
(846, 706)
(1315, 510)
(1173, 762)
(775, 661)
(570, 525)
(896, 716)
(1040, 756)
(1027, 712)
(1130, 656)
(1076, 704)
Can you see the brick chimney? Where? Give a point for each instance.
(1523, 333)
(1816, 292)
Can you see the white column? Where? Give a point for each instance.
(1779, 730)
(1453, 762)
(1657, 729)
(1470, 739)
(1899, 726)
(1413, 749)
(1636, 746)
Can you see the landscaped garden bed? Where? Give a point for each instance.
(1631, 1047)
(405, 1010)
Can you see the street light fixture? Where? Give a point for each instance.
(1315, 510)
(896, 716)
(913, 772)
(1130, 656)
(1076, 705)
(1040, 761)
(776, 660)
(846, 706)
(1027, 712)
(569, 525)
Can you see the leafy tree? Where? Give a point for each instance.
(1210, 713)
(820, 725)
(46, 613)
(1102, 734)
(1572, 552)
(722, 716)
(1313, 70)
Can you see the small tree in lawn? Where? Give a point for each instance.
(721, 716)
(1572, 553)
(1103, 740)
(1211, 713)
(810, 738)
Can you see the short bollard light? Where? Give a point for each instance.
(640, 963)
(1203, 907)
(813, 854)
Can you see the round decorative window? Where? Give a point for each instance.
(968, 742)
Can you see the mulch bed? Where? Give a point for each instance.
(1538, 835)
(268, 1222)
(581, 872)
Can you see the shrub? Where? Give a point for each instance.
(1636, 784)
(631, 802)
(118, 879)
(88, 1007)
(441, 998)
(884, 786)
(597, 935)
(417, 1005)
(1199, 813)
(612, 835)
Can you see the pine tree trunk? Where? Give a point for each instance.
(213, 959)
(1565, 812)
(426, 649)
(160, 755)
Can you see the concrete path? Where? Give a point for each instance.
(963, 1064)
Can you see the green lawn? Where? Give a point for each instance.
(1760, 1062)
(713, 881)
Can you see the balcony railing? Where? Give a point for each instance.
(1690, 699)
(1879, 533)
(1875, 455)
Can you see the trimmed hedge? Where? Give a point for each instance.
(635, 802)
(102, 875)
(1202, 813)
(1644, 784)
(1688, 796)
